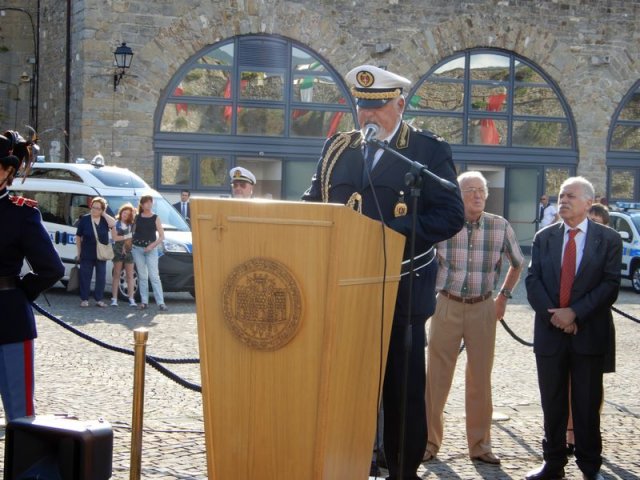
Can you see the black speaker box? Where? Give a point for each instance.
(58, 448)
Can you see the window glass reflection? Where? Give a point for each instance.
(449, 128)
(303, 62)
(631, 110)
(212, 171)
(489, 66)
(197, 118)
(316, 89)
(488, 98)
(319, 123)
(175, 170)
(204, 82)
(260, 121)
(220, 56)
(539, 101)
(261, 86)
(526, 73)
(452, 69)
(443, 96)
(622, 184)
(553, 178)
(626, 137)
(541, 134)
(487, 131)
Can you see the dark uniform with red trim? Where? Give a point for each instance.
(339, 179)
(24, 238)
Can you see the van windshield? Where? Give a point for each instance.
(169, 216)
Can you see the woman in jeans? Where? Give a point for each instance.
(147, 235)
(87, 255)
(122, 256)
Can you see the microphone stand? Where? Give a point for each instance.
(414, 180)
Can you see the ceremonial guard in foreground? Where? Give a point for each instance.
(24, 238)
(341, 178)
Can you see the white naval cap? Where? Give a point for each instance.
(241, 174)
(373, 87)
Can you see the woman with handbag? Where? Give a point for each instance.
(148, 235)
(92, 237)
(122, 234)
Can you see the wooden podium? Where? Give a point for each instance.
(292, 344)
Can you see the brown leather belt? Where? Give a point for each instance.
(8, 283)
(470, 300)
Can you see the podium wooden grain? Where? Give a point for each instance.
(306, 410)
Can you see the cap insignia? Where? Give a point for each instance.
(365, 78)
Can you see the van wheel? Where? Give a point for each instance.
(123, 291)
(635, 278)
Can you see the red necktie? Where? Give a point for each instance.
(568, 271)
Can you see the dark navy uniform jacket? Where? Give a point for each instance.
(24, 236)
(440, 211)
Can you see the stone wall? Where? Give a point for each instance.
(588, 47)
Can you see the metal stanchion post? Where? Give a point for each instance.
(140, 336)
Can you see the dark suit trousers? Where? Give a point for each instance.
(585, 374)
(415, 441)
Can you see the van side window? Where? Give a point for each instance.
(79, 206)
(52, 205)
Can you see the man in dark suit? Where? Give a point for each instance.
(183, 205)
(24, 238)
(343, 177)
(572, 282)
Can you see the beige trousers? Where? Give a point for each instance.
(476, 325)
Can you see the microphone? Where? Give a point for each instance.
(370, 132)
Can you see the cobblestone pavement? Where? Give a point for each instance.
(78, 377)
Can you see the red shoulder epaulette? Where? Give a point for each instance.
(20, 201)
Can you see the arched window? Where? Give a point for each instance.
(493, 98)
(623, 148)
(259, 101)
(505, 117)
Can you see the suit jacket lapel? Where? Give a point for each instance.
(591, 245)
(555, 250)
(387, 160)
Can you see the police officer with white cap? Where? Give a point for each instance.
(350, 171)
(24, 237)
(242, 182)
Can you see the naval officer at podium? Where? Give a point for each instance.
(354, 173)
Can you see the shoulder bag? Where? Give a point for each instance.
(103, 252)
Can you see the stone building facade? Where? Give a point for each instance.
(587, 48)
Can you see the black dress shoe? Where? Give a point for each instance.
(595, 476)
(545, 473)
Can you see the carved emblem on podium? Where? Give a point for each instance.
(262, 304)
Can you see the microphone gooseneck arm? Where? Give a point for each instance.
(416, 166)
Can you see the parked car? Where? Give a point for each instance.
(625, 218)
(64, 191)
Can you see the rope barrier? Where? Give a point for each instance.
(155, 362)
(514, 336)
(626, 315)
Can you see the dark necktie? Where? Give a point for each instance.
(541, 213)
(369, 156)
(568, 271)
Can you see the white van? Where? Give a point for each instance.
(63, 192)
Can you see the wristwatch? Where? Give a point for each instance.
(506, 292)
